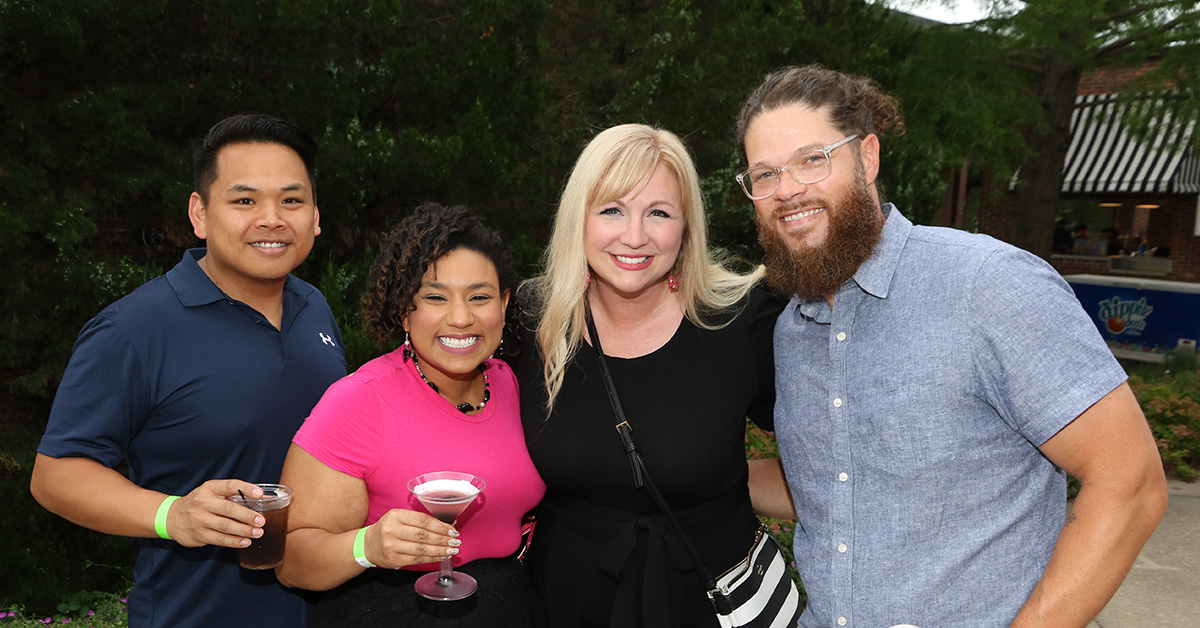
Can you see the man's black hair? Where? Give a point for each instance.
(251, 129)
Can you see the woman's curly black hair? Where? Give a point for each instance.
(406, 253)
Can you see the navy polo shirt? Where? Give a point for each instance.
(188, 385)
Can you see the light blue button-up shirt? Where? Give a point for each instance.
(908, 418)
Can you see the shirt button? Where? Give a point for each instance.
(837, 403)
(843, 476)
(842, 548)
(841, 621)
(841, 336)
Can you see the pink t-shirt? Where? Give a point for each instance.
(383, 424)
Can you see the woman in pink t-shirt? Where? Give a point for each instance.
(438, 403)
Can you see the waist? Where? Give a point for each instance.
(564, 507)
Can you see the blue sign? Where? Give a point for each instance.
(1138, 319)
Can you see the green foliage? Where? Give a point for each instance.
(1170, 398)
(93, 609)
(343, 287)
(46, 556)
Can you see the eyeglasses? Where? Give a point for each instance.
(807, 167)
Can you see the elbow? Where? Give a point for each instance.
(41, 487)
(286, 577)
(1154, 496)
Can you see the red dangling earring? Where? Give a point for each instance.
(588, 283)
(672, 284)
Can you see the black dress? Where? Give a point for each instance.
(602, 554)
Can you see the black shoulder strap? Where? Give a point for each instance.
(641, 477)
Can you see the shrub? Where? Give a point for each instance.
(1170, 399)
(93, 609)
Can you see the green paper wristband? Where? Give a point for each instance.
(160, 518)
(360, 549)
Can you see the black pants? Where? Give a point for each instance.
(386, 599)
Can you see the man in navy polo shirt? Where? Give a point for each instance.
(199, 379)
(932, 387)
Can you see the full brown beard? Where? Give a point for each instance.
(813, 272)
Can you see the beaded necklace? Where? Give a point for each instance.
(463, 407)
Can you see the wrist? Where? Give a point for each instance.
(360, 549)
(160, 517)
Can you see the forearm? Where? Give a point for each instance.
(1105, 530)
(769, 492)
(318, 560)
(94, 496)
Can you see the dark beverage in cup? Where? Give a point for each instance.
(266, 552)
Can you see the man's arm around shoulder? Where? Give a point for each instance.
(1122, 497)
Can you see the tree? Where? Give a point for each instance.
(1052, 44)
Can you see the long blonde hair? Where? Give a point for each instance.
(611, 166)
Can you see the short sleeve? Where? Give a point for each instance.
(763, 310)
(103, 400)
(344, 431)
(1040, 360)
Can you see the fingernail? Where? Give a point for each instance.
(452, 551)
(244, 543)
(454, 543)
(260, 522)
(256, 532)
(454, 533)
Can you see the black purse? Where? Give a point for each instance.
(756, 592)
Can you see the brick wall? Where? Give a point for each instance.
(1079, 264)
(995, 208)
(1110, 80)
(1179, 235)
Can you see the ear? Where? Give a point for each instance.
(198, 215)
(316, 221)
(504, 300)
(869, 153)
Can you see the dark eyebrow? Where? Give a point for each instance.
(475, 286)
(245, 187)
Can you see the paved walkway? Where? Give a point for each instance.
(1162, 589)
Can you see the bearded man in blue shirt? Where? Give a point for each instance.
(933, 389)
(199, 379)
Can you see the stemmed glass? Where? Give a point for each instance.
(446, 494)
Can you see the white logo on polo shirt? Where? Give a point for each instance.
(327, 339)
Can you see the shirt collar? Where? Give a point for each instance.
(874, 276)
(193, 287)
(191, 284)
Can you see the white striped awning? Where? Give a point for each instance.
(1104, 157)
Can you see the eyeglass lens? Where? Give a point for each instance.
(808, 167)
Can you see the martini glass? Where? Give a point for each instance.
(446, 494)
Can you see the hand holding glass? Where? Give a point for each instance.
(446, 494)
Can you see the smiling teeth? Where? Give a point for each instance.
(803, 214)
(631, 260)
(458, 343)
(270, 245)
